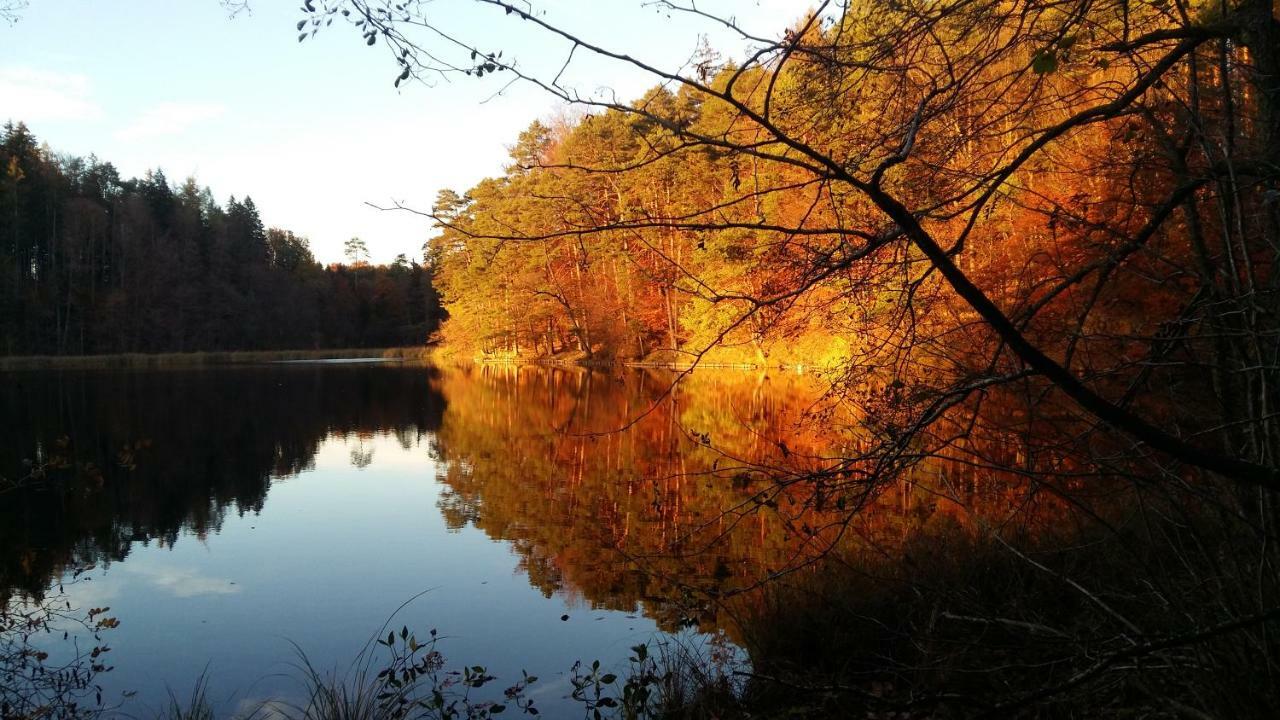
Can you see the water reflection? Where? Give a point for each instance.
(163, 454)
(621, 488)
(235, 508)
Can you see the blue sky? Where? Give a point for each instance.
(313, 130)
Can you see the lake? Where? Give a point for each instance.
(232, 517)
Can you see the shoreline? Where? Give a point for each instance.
(125, 361)
(128, 361)
(638, 364)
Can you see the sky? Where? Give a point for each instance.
(313, 131)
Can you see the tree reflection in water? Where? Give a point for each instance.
(619, 487)
(623, 489)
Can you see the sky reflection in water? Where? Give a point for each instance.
(332, 554)
(375, 510)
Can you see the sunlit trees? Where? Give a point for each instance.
(954, 156)
(1056, 223)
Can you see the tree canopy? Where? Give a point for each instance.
(963, 194)
(1051, 221)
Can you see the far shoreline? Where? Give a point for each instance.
(423, 353)
(128, 361)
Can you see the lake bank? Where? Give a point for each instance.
(638, 364)
(204, 359)
(716, 358)
(142, 361)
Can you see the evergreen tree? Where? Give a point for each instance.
(92, 263)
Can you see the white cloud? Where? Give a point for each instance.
(32, 95)
(91, 591)
(183, 582)
(169, 118)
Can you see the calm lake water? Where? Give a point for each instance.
(229, 513)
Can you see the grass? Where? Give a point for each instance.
(202, 359)
(333, 697)
(395, 677)
(195, 707)
(398, 678)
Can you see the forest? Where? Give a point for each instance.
(98, 264)
(683, 226)
(1081, 204)
(1025, 250)
(1051, 224)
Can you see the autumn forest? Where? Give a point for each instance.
(921, 358)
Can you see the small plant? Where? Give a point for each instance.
(40, 678)
(674, 681)
(411, 682)
(415, 684)
(636, 697)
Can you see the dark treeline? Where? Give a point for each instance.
(91, 262)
